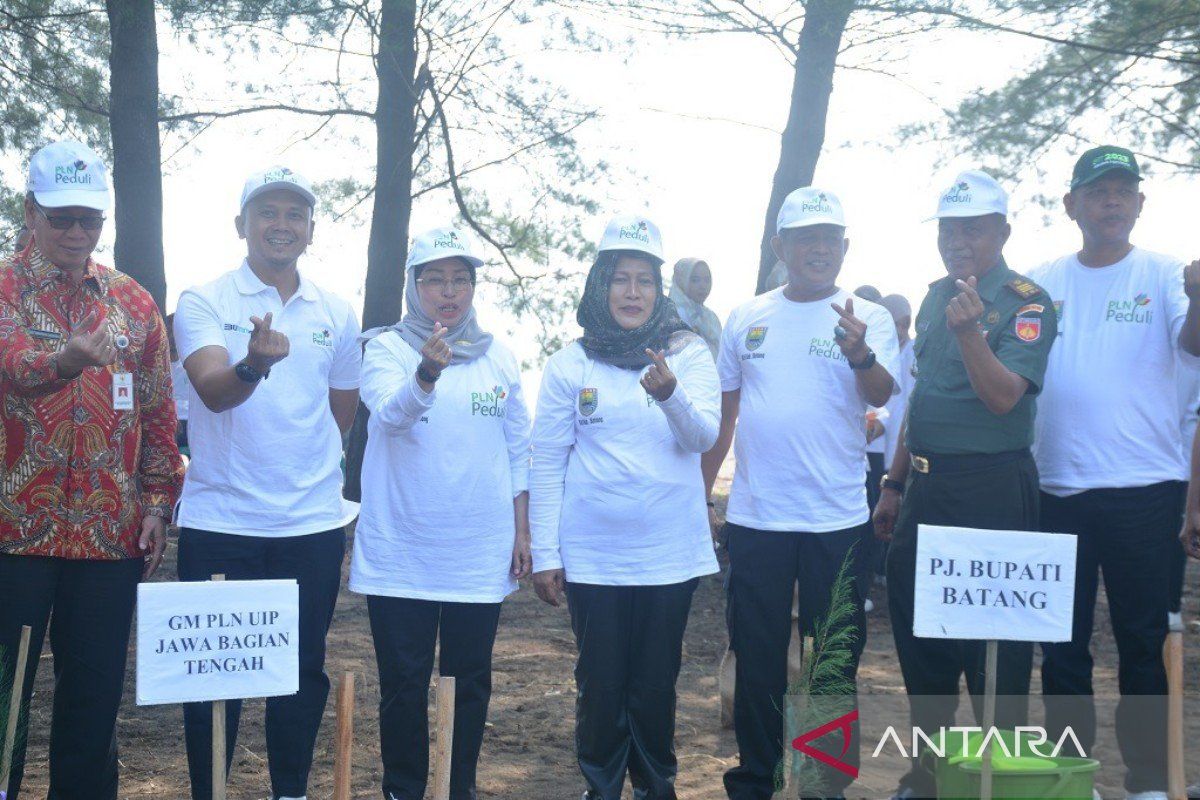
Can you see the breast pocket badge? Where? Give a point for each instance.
(588, 400)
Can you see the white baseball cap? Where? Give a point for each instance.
(277, 177)
(974, 193)
(810, 206)
(444, 242)
(68, 173)
(633, 232)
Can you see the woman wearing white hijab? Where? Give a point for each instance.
(443, 534)
(691, 285)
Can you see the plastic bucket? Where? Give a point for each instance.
(1018, 778)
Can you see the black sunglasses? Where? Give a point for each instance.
(64, 222)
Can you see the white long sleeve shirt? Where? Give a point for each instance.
(439, 476)
(616, 492)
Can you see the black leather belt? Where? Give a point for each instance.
(932, 463)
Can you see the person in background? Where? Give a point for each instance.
(448, 430)
(88, 462)
(984, 334)
(22, 239)
(875, 423)
(798, 365)
(181, 386)
(1188, 385)
(617, 507)
(1109, 453)
(691, 285)
(274, 361)
(901, 312)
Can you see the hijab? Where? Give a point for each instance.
(603, 339)
(699, 317)
(467, 340)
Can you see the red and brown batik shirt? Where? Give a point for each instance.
(77, 475)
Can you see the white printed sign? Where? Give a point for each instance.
(217, 640)
(1007, 585)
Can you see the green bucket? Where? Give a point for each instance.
(1057, 778)
(958, 771)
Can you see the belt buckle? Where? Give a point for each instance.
(920, 464)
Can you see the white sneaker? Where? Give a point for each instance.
(1174, 621)
(1146, 796)
(868, 605)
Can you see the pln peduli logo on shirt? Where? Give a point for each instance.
(75, 173)
(589, 399)
(1135, 311)
(323, 338)
(755, 337)
(490, 403)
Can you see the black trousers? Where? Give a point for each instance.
(88, 607)
(764, 569)
(406, 632)
(1129, 535)
(315, 562)
(630, 642)
(989, 492)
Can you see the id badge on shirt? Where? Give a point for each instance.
(122, 387)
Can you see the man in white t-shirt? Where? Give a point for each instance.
(275, 363)
(798, 366)
(1109, 453)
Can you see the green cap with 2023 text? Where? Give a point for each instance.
(1101, 161)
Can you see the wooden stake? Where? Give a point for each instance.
(345, 737)
(14, 708)
(1173, 659)
(218, 741)
(989, 719)
(445, 738)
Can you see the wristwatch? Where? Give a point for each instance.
(248, 373)
(866, 363)
(889, 483)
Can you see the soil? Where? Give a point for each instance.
(528, 748)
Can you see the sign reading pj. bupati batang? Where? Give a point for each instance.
(981, 584)
(219, 640)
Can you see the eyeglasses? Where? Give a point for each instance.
(643, 282)
(64, 222)
(440, 284)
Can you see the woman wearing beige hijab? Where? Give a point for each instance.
(691, 284)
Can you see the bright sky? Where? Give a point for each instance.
(699, 121)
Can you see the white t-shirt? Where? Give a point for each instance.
(272, 465)
(897, 407)
(799, 445)
(616, 491)
(439, 476)
(1108, 415)
(182, 389)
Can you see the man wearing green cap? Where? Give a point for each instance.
(1109, 456)
(983, 335)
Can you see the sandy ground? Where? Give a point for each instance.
(528, 748)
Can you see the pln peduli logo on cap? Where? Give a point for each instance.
(442, 242)
(810, 206)
(277, 177)
(973, 193)
(633, 232)
(68, 173)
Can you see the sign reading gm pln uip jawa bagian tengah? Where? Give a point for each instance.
(217, 640)
(983, 584)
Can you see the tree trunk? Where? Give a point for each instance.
(816, 59)
(137, 157)
(395, 127)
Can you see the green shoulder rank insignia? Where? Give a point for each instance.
(1023, 288)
